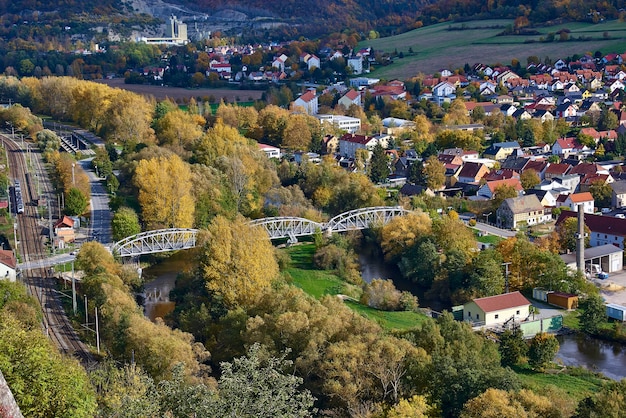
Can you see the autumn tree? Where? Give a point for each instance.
(593, 313)
(237, 260)
(567, 232)
(297, 135)
(434, 173)
(128, 119)
(602, 193)
(458, 139)
(402, 232)
(125, 223)
(529, 179)
(164, 185)
(179, 130)
(457, 113)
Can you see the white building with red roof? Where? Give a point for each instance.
(351, 97)
(270, 151)
(571, 202)
(8, 265)
(495, 310)
(308, 101)
(350, 143)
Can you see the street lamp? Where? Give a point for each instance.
(96, 167)
(73, 177)
(486, 215)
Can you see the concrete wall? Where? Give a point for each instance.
(8, 406)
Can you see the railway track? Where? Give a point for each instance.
(30, 246)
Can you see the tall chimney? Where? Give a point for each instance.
(580, 240)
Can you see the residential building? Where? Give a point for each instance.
(604, 229)
(356, 63)
(8, 265)
(308, 101)
(270, 151)
(525, 210)
(501, 150)
(472, 172)
(351, 97)
(496, 310)
(489, 189)
(350, 143)
(618, 195)
(572, 201)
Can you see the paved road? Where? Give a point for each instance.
(485, 228)
(100, 211)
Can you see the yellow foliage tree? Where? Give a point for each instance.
(237, 260)
(402, 232)
(165, 197)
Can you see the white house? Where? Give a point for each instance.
(345, 123)
(443, 92)
(270, 151)
(572, 201)
(351, 97)
(495, 310)
(279, 62)
(604, 229)
(8, 265)
(308, 101)
(350, 143)
(356, 63)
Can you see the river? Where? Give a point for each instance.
(593, 354)
(576, 350)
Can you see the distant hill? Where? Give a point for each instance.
(98, 7)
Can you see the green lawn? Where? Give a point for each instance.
(577, 383)
(487, 239)
(436, 47)
(399, 320)
(318, 283)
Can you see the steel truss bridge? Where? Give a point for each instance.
(163, 240)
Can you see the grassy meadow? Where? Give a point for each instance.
(451, 45)
(318, 283)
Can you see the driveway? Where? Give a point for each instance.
(613, 289)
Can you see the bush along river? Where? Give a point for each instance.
(576, 349)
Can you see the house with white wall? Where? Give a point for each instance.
(496, 310)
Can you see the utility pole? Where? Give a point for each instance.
(97, 332)
(73, 290)
(50, 230)
(86, 313)
(506, 276)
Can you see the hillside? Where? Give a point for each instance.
(452, 45)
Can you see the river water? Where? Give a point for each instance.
(576, 350)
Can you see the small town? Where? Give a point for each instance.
(312, 210)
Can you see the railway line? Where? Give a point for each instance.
(31, 247)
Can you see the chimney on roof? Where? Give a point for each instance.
(580, 240)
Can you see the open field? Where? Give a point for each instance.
(178, 93)
(437, 47)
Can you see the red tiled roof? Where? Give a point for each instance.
(7, 258)
(513, 182)
(581, 197)
(66, 221)
(558, 169)
(597, 223)
(308, 96)
(352, 94)
(501, 302)
(359, 139)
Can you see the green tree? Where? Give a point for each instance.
(259, 385)
(593, 313)
(75, 202)
(608, 120)
(567, 232)
(543, 348)
(608, 402)
(512, 347)
(379, 164)
(602, 193)
(125, 223)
